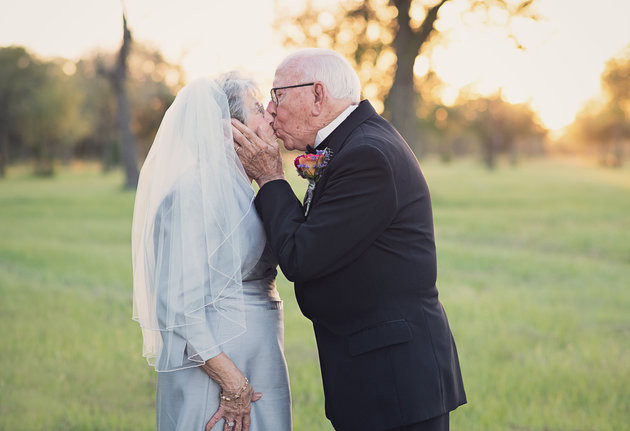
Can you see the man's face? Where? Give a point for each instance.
(292, 114)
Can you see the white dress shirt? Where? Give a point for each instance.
(323, 133)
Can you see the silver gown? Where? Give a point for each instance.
(188, 398)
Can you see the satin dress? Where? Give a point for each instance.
(188, 398)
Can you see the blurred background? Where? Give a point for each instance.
(519, 114)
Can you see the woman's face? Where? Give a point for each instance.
(257, 116)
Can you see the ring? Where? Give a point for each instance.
(237, 148)
(230, 424)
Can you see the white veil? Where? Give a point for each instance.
(195, 233)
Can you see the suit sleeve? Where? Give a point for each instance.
(357, 205)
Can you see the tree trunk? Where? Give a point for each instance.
(488, 153)
(123, 116)
(618, 151)
(617, 146)
(401, 102)
(4, 154)
(513, 149)
(491, 144)
(44, 165)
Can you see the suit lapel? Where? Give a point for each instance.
(336, 140)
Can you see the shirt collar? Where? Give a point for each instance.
(323, 133)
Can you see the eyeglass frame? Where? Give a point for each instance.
(274, 96)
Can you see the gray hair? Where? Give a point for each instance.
(329, 67)
(235, 86)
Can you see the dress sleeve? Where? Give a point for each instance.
(181, 283)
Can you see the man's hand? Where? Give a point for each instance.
(259, 153)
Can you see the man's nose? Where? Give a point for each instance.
(271, 108)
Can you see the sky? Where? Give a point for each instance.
(557, 73)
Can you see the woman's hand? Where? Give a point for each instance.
(236, 394)
(235, 408)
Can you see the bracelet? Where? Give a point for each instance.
(238, 393)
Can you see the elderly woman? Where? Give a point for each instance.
(204, 278)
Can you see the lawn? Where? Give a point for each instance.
(534, 273)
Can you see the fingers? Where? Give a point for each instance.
(242, 128)
(266, 132)
(260, 138)
(246, 422)
(241, 143)
(256, 396)
(214, 419)
(244, 136)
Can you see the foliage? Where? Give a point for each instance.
(488, 126)
(605, 124)
(154, 83)
(533, 267)
(361, 31)
(63, 109)
(99, 111)
(384, 39)
(40, 110)
(502, 127)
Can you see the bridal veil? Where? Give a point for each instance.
(195, 233)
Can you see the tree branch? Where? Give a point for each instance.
(423, 33)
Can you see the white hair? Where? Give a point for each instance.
(329, 67)
(235, 85)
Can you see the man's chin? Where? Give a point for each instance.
(285, 143)
(288, 144)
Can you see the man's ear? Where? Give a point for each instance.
(319, 94)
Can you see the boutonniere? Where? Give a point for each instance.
(311, 167)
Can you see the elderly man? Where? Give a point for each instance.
(361, 251)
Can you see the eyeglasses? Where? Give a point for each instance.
(274, 96)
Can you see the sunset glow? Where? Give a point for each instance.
(557, 72)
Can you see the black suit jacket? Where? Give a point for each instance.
(364, 268)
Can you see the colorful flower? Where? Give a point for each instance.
(311, 166)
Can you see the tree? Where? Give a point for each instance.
(500, 127)
(61, 109)
(616, 84)
(54, 121)
(384, 39)
(142, 74)
(605, 124)
(99, 110)
(17, 72)
(152, 83)
(39, 110)
(118, 78)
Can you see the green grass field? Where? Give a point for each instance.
(534, 273)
